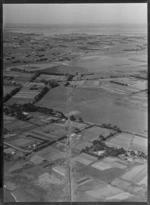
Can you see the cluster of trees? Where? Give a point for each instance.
(69, 77)
(119, 83)
(76, 130)
(5, 131)
(101, 137)
(9, 95)
(138, 154)
(98, 145)
(52, 83)
(16, 69)
(35, 76)
(41, 94)
(72, 118)
(109, 126)
(16, 110)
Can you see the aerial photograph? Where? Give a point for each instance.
(75, 108)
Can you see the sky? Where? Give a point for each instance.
(75, 13)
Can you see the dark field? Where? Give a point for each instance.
(96, 105)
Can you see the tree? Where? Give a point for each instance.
(101, 137)
(72, 118)
(86, 149)
(69, 77)
(53, 83)
(67, 83)
(80, 119)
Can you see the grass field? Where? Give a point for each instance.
(19, 126)
(140, 144)
(51, 77)
(99, 131)
(136, 174)
(106, 175)
(122, 184)
(7, 120)
(79, 145)
(63, 69)
(51, 153)
(122, 140)
(7, 89)
(39, 136)
(96, 105)
(53, 129)
(120, 89)
(84, 159)
(103, 192)
(119, 197)
(22, 142)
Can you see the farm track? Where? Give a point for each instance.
(17, 148)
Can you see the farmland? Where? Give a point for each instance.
(98, 106)
(76, 128)
(18, 76)
(129, 142)
(27, 94)
(8, 89)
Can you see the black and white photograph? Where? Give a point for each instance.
(75, 110)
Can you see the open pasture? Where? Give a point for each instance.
(19, 76)
(74, 124)
(79, 125)
(93, 133)
(44, 133)
(140, 85)
(16, 100)
(53, 129)
(63, 69)
(109, 144)
(40, 136)
(22, 142)
(26, 94)
(99, 130)
(51, 153)
(51, 77)
(7, 119)
(122, 140)
(136, 174)
(133, 102)
(19, 126)
(79, 145)
(106, 175)
(37, 121)
(85, 159)
(120, 89)
(77, 83)
(36, 159)
(119, 197)
(127, 81)
(103, 192)
(109, 63)
(144, 181)
(30, 85)
(140, 96)
(140, 144)
(7, 89)
(96, 105)
(105, 164)
(56, 98)
(122, 184)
